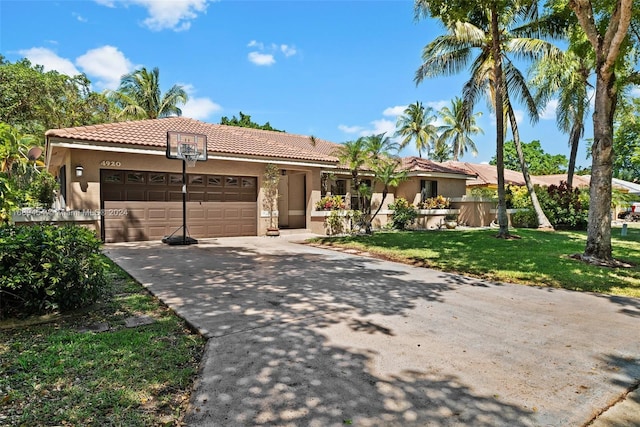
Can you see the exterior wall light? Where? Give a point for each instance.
(79, 171)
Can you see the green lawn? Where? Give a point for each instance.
(52, 374)
(538, 258)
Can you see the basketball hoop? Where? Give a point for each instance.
(189, 153)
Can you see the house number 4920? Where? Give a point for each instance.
(110, 163)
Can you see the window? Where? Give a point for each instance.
(195, 180)
(428, 189)
(340, 188)
(175, 179)
(214, 181)
(135, 177)
(157, 178)
(231, 181)
(112, 177)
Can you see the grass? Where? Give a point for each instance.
(538, 258)
(53, 374)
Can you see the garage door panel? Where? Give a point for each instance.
(154, 209)
(157, 213)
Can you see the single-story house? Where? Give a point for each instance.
(117, 178)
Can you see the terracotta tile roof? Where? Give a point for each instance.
(579, 181)
(224, 140)
(486, 174)
(418, 164)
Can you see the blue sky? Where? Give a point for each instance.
(333, 69)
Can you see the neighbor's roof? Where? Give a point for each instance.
(579, 181)
(418, 164)
(631, 187)
(486, 174)
(221, 139)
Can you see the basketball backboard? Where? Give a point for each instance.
(194, 140)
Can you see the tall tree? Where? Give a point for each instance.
(494, 29)
(606, 29)
(139, 96)
(34, 100)
(567, 77)
(416, 124)
(539, 162)
(353, 156)
(458, 128)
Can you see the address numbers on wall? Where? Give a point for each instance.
(110, 163)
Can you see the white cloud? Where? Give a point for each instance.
(266, 55)
(257, 44)
(262, 59)
(106, 63)
(49, 60)
(635, 91)
(79, 17)
(380, 126)
(108, 3)
(438, 105)
(396, 111)
(350, 129)
(549, 111)
(288, 50)
(198, 108)
(175, 15)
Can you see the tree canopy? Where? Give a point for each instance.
(34, 100)
(539, 162)
(245, 122)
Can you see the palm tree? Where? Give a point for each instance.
(386, 171)
(14, 150)
(566, 76)
(458, 128)
(379, 146)
(416, 124)
(353, 155)
(493, 33)
(139, 96)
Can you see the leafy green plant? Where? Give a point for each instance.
(524, 218)
(565, 207)
(42, 188)
(44, 268)
(403, 213)
(334, 223)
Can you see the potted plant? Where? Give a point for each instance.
(270, 182)
(451, 221)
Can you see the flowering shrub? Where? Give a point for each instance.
(329, 203)
(438, 202)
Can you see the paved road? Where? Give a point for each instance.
(307, 336)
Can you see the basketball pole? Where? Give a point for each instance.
(184, 201)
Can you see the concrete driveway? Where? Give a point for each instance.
(307, 336)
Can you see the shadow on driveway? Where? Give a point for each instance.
(304, 336)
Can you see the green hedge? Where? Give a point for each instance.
(46, 268)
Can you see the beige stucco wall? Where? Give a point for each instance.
(84, 192)
(447, 187)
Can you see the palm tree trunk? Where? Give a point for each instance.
(543, 221)
(574, 140)
(503, 220)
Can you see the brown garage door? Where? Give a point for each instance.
(145, 205)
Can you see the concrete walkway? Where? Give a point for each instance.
(307, 336)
